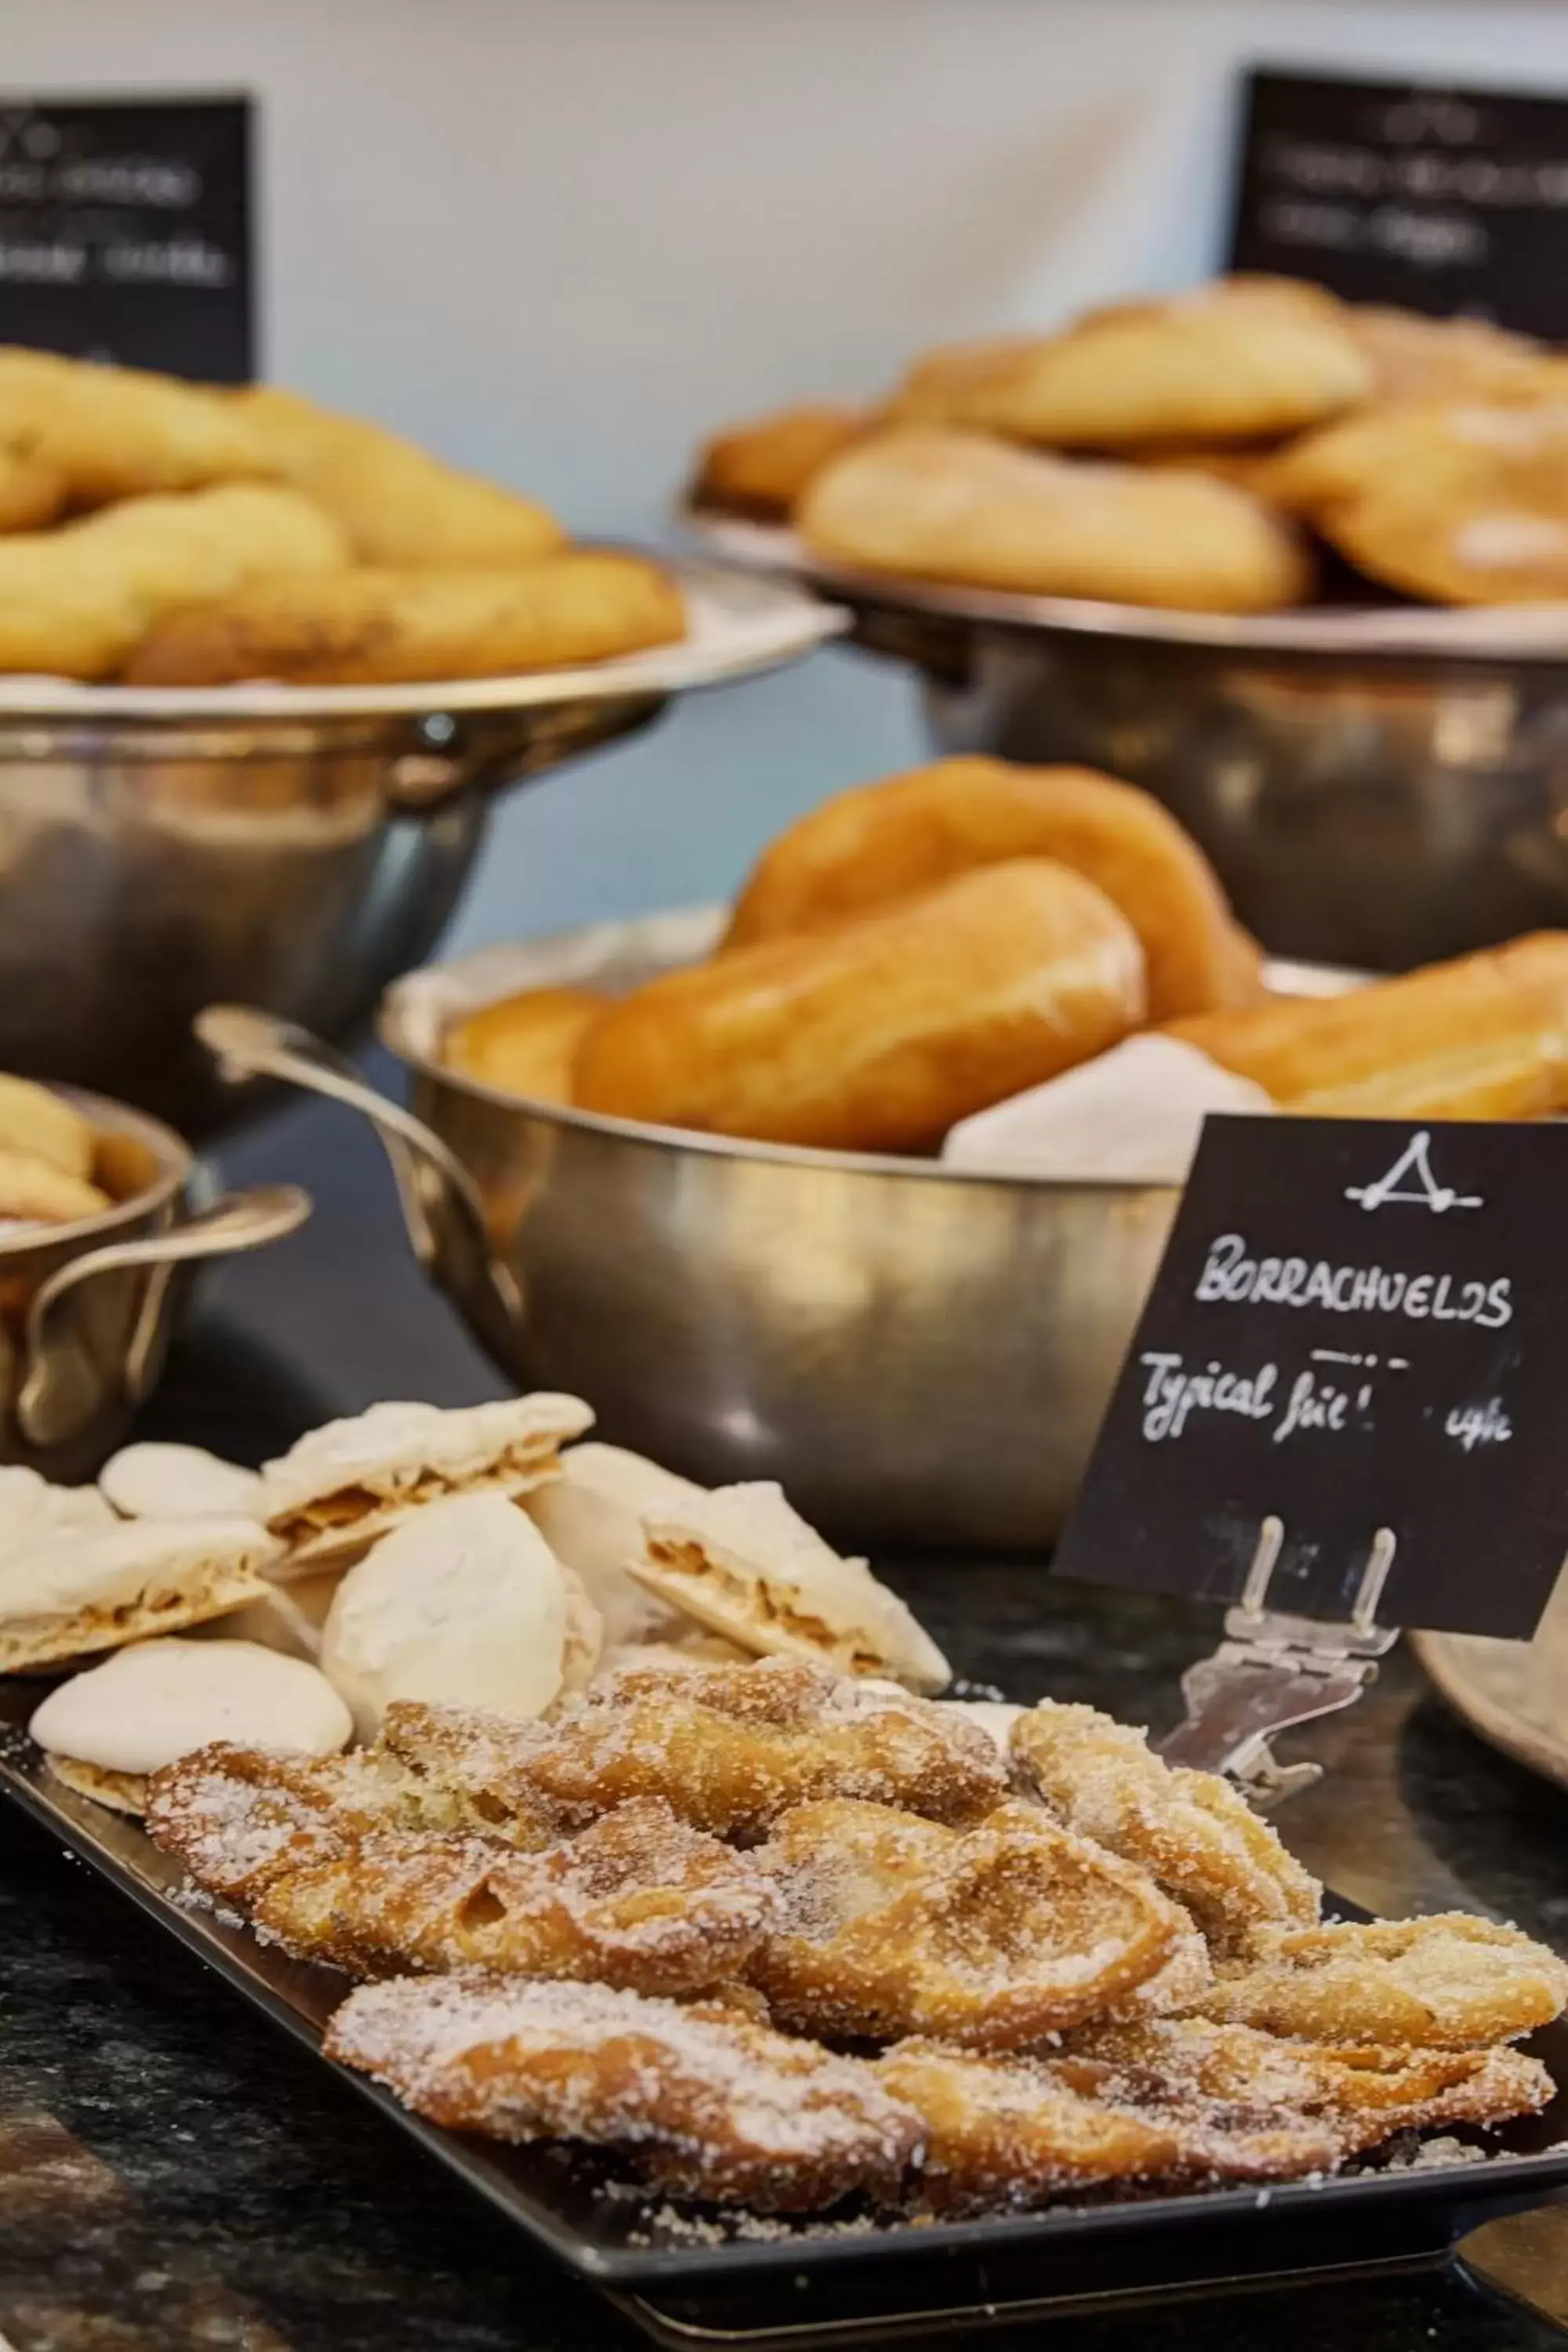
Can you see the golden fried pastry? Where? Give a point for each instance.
(877, 1034)
(523, 1044)
(35, 1190)
(939, 387)
(761, 466)
(639, 1900)
(107, 433)
(930, 504)
(1365, 2093)
(731, 1749)
(1019, 2132)
(365, 627)
(335, 1863)
(1418, 358)
(32, 495)
(41, 1124)
(76, 602)
(1448, 1983)
(1234, 362)
(993, 1936)
(1191, 1830)
(707, 2103)
(1483, 1037)
(889, 840)
(395, 504)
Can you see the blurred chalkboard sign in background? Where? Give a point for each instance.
(126, 232)
(1440, 200)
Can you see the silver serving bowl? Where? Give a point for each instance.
(922, 1356)
(87, 1309)
(294, 847)
(1380, 787)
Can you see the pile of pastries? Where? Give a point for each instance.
(972, 953)
(165, 534)
(1206, 452)
(632, 1808)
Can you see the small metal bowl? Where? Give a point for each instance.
(87, 1309)
(1377, 786)
(922, 1356)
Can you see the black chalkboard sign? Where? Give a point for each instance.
(1357, 1325)
(1439, 199)
(125, 233)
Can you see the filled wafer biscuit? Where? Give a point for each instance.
(67, 1596)
(394, 503)
(879, 1033)
(953, 506)
(742, 1562)
(390, 627)
(105, 1731)
(887, 841)
(1483, 1037)
(349, 1480)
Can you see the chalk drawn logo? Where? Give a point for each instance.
(1410, 1179)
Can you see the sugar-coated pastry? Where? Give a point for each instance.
(523, 1044)
(1483, 1037)
(387, 627)
(107, 433)
(464, 1605)
(77, 602)
(178, 1482)
(105, 1730)
(32, 1510)
(887, 841)
(933, 504)
(760, 467)
(877, 1034)
(1234, 362)
(394, 502)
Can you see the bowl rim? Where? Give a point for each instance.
(108, 1115)
(406, 997)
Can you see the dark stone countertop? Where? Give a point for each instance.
(174, 2173)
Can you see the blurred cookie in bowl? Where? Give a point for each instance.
(49, 1154)
(934, 503)
(527, 1044)
(106, 1731)
(760, 467)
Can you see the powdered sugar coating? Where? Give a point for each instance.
(706, 2104)
(387, 1450)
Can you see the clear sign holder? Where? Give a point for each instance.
(1274, 1671)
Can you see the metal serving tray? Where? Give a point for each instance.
(832, 2282)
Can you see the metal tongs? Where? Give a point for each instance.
(1274, 1671)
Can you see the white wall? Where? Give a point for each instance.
(557, 239)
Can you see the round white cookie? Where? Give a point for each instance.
(465, 1604)
(178, 1482)
(104, 1731)
(746, 1565)
(592, 1519)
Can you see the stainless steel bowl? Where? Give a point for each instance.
(87, 1309)
(1378, 788)
(920, 1356)
(294, 847)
